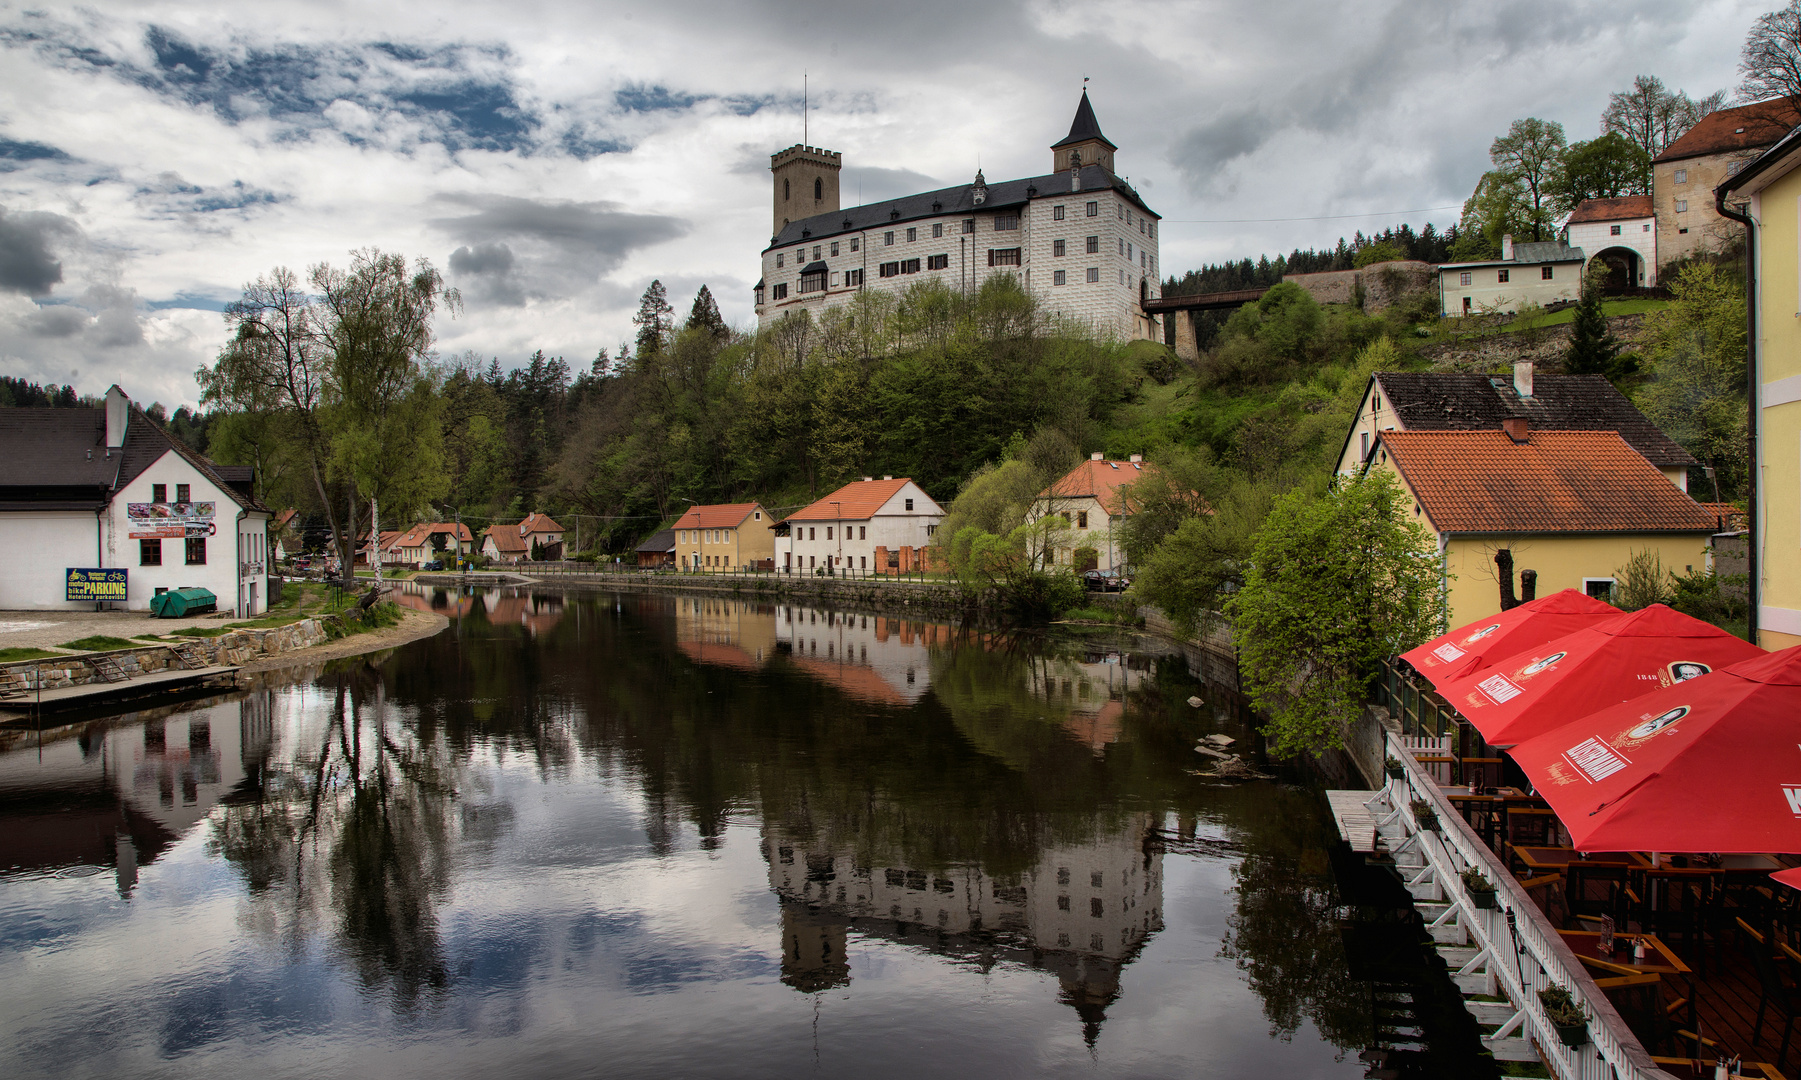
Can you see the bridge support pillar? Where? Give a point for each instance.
(1186, 348)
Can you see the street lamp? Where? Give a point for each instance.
(840, 520)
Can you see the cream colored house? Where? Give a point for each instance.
(1091, 499)
(1619, 234)
(724, 536)
(1535, 273)
(1570, 505)
(1711, 153)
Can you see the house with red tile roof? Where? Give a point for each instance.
(1684, 176)
(1619, 233)
(516, 542)
(432, 541)
(843, 531)
(1572, 506)
(1094, 497)
(724, 536)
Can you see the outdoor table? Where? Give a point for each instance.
(1659, 960)
(1490, 805)
(1699, 1069)
(1560, 858)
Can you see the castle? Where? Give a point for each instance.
(1079, 238)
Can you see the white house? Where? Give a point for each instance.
(1620, 234)
(106, 489)
(514, 543)
(843, 531)
(1536, 273)
(1089, 497)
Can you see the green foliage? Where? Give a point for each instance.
(1593, 350)
(1697, 389)
(15, 653)
(1014, 569)
(1642, 582)
(1606, 167)
(99, 643)
(1532, 152)
(1720, 599)
(1334, 583)
(1377, 253)
(1500, 206)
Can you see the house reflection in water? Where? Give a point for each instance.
(1090, 692)
(1083, 913)
(730, 633)
(869, 657)
(116, 794)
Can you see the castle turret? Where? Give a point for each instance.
(1084, 136)
(806, 183)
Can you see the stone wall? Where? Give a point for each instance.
(1382, 283)
(229, 649)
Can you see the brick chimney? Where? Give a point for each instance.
(1096, 456)
(1522, 378)
(1516, 428)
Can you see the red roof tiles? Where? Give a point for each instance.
(1748, 127)
(1556, 481)
(855, 501)
(716, 516)
(1099, 480)
(1621, 209)
(538, 523)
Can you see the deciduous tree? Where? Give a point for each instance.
(1770, 65)
(1532, 153)
(1697, 390)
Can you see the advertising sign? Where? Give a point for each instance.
(95, 585)
(152, 515)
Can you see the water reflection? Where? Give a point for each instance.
(526, 827)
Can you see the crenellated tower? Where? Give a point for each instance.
(806, 183)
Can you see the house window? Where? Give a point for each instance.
(1646, 226)
(812, 534)
(814, 282)
(1463, 278)
(1094, 274)
(150, 552)
(888, 239)
(1501, 276)
(778, 260)
(937, 230)
(1122, 245)
(1003, 256)
(159, 492)
(828, 532)
(1094, 245)
(969, 225)
(1601, 588)
(938, 262)
(1081, 519)
(1006, 222)
(889, 269)
(912, 235)
(931, 530)
(853, 277)
(1056, 213)
(834, 249)
(1545, 272)
(1682, 176)
(856, 242)
(1059, 277)
(1094, 209)
(909, 504)
(1363, 443)
(1613, 230)
(1058, 248)
(197, 551)
(862, 532)
(1682, 206)
(780, 292)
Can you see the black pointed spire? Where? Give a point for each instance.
(1085, 128)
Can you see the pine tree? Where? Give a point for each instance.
(705, 315)
(655, 319)
(1593, 349)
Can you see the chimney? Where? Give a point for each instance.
(1522, 378)
(1096, 456)
(1135, 458)
(867, 479)
(1516, 428)
(118, 411)
(887, 476)
(1507, 247)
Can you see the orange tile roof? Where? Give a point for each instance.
(1100, 480)
(506, 539)
(1556, 481)
(717, 516)
(421, 534)
(855, 501)
(536, 523)
(1620, 209)
(1748, 127)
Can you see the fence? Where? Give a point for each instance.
(1436, 733)
(566, 568)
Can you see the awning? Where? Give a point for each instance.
(1566, 678)
(1708, 765)
(1463, 651)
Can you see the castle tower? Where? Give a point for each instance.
(1084, 136)
(806, 183)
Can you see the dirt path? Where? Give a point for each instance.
(414, 625)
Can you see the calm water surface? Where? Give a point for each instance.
(647, 836)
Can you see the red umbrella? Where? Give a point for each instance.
(1462, 651)
(1713, 764)
(1790, 877)
(1615, 660)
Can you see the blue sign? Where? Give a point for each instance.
(95, 586)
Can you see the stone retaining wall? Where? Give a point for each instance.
(929, 599)
(232, 648)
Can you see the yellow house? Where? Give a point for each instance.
(1768, 192)
(724, 537)
(1572, 506)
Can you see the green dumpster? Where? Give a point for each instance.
(181, 603)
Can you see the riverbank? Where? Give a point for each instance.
(413, 626)
(887, 596)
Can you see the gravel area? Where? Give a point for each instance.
(48, 629)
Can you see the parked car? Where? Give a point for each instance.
(1105, 581)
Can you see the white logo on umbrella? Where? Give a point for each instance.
(1658, 723)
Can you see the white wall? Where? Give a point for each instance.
(1636, 234)
(223, 551)
(40, 548)
(1525, 283)
(855, 540)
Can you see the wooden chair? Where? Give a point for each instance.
(1437, 766)
(1597, 889)
(1775, 992)
(1485, 771)
(1529, 822)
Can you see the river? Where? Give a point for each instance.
(643, 835)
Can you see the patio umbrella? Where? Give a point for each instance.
(1615, 660)
(1712, 764)
(1790, 877)
(1469, 649)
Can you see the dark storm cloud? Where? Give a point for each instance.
(485, 272)
(592, 227)
(27, 263)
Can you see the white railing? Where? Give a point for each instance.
(1516, 947)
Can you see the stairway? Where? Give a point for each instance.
(108, 668)
(12, 684)
(188, 655)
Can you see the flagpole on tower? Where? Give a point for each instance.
(805, 140)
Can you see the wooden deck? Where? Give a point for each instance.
(98, 695)
(1355, 825)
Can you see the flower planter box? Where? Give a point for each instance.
(1574, 1036)
(1484, 900)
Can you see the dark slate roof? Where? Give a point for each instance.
(818, 266)
(1427, 401)
(1084, 127)
(659, 542)
(953, 200)
(1531, 253)
(59, 457)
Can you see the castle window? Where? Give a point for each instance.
(1094, 209)
(853, 278)
(1094, 245)
(855, 242)
(889, 269)
(1140, 226)
(816, 251)
(937, 230)
(912, 235)
(818, 188)
(780, 291)
(1544, 273)
(785, 195)
(834, 249)
(1122, 277)
(969, 225)
(909, 266)
(938, 262)
(1059, 277)
(1005, 222)
(1501, 277)
(813, 282)
(1057, 248)
(758, 294)
(1682, 176)
(1003, 256)
(1142, 263)
(1094, 274)
(778, 260)
(1153, 233)
(1056, 213)
(888, 239)
(1121, 211)
(1613, 230)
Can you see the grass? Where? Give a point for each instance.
(200, 631)
(100, 643)
(1610, 308)
(147, 637)
(8, 656)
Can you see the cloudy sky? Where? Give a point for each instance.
(553, 158)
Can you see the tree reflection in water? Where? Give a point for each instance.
(356, 836)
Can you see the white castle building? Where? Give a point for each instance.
(1079, 238)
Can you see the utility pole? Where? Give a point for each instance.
(375, 538)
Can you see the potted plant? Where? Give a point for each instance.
(1394, 768)
(1481, 890)
(1565, 1015)
(1425, 816)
